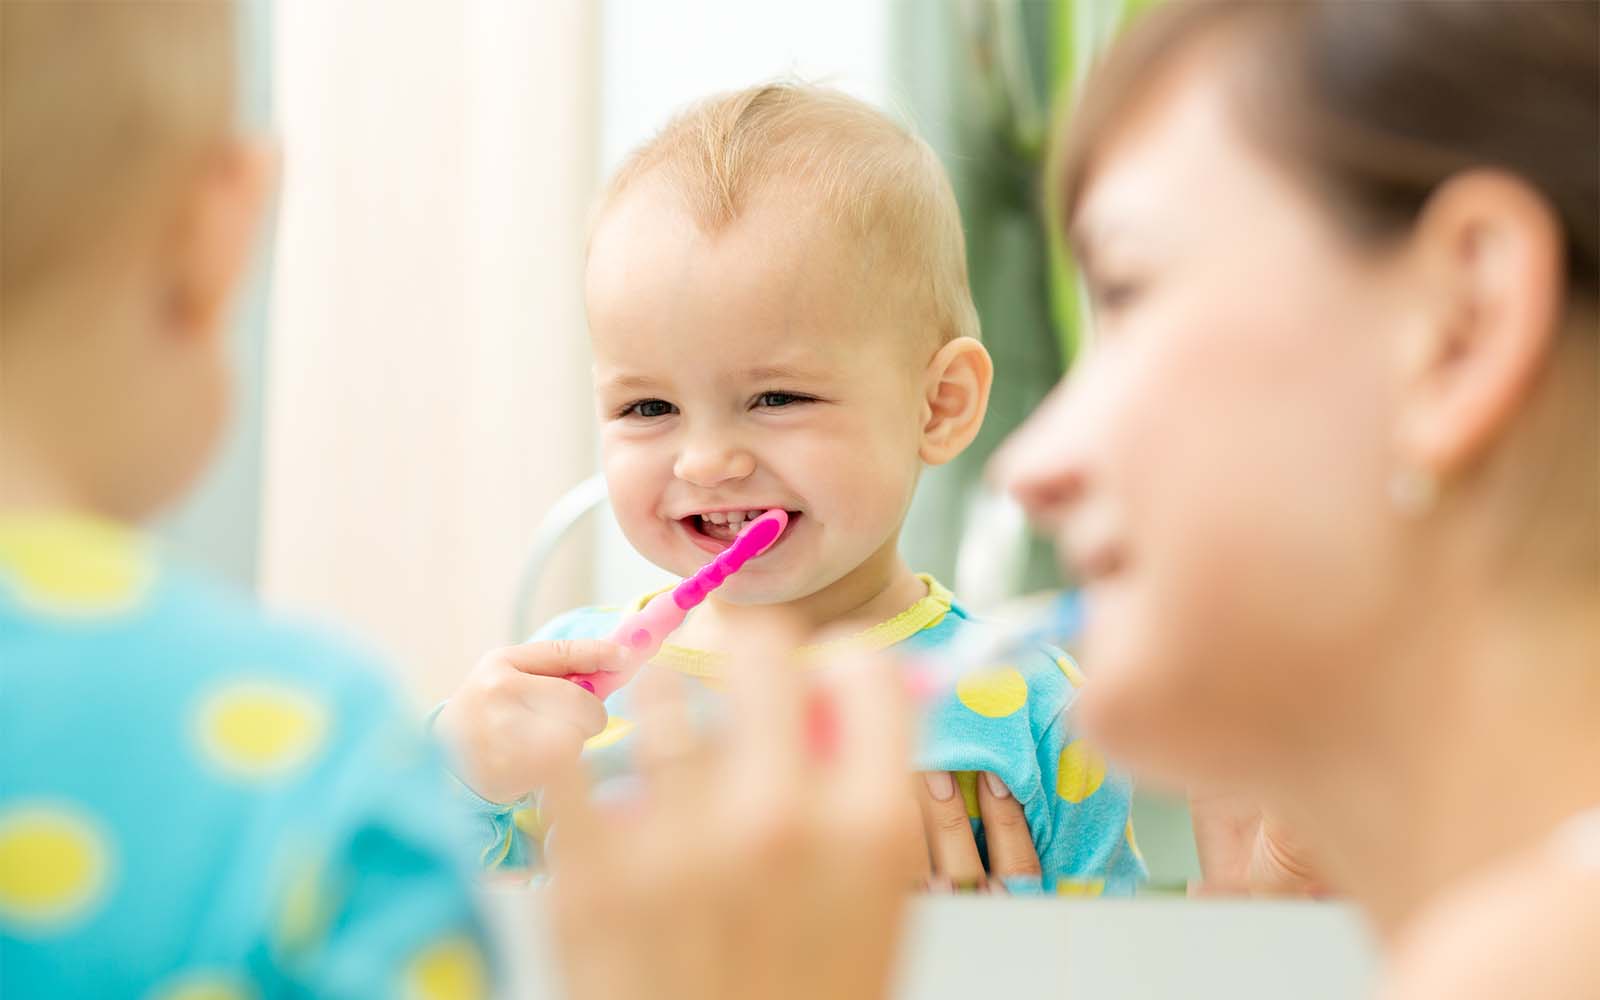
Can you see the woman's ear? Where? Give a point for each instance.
(1491, 248)
(955, 398)
(218, 219)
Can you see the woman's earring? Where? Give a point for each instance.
(1413, 490)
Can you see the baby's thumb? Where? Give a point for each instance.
(558, 657)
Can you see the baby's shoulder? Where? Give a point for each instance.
(591, 622)
(1034, 675)
(1040, 665)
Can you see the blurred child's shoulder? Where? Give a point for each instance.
(85, 596)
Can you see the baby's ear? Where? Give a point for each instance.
(955, 398)
(218, 219)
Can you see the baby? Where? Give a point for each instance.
(780, 318)
(197, 799)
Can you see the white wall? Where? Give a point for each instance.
(656, 57)
(428, 392)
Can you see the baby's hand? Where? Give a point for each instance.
(514, 717)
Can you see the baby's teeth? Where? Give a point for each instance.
(715, 518)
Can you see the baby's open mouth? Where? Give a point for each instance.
(724, 526)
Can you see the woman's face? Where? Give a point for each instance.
(1215, 468)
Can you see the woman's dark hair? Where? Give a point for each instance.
(1378, 103)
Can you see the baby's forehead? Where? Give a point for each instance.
(780, 263)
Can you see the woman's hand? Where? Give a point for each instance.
(751, 866)
(514, 717)
(1246, 851)
(952, 856)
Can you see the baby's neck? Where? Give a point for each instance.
(27, 482)
(874, 591)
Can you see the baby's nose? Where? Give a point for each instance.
(712, 463)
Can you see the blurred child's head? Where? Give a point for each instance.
(125, 219)
(778, 302)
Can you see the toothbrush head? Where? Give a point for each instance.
(757, 537)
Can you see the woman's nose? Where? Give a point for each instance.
(710, 462)
(1042, 464)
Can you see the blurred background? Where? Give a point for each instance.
(413, 384)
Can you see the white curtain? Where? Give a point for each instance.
(427, 388)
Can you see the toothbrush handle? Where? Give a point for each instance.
(641, 634)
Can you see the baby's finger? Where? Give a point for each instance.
(558, 657)
(562, 702)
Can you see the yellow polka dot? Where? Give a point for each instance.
(54, 866)
(453, 969)
(304, 909)
(967, 781)
(204, 986)
(1080, 886)
(1074, 675)
(260, 729)
(1079, 772)
(616, 728)
(71, 565)
(994, 693)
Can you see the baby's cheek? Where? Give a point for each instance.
(635, 493)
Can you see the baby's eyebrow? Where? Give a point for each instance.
(780, 373)
(629, 382)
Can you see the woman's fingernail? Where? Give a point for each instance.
(996, 786)
(940, 784)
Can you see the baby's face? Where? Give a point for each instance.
(746, 370)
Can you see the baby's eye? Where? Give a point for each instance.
(648, 409)
(774, 400)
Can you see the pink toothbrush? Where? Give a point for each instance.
(643, 632)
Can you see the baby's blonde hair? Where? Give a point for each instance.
(880, 183)
(103, 103)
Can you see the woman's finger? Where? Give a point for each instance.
(558, 657)
(565, 803)
(867, 760)
(949, 831)
(1005, 829)
(671, 752)
(769, 705)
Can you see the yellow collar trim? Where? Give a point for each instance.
(71, 563)
(927, 612)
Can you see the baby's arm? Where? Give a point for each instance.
(1090, 849)
(512, 719)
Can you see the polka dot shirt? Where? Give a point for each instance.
(198, 803)
(1011, 719)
